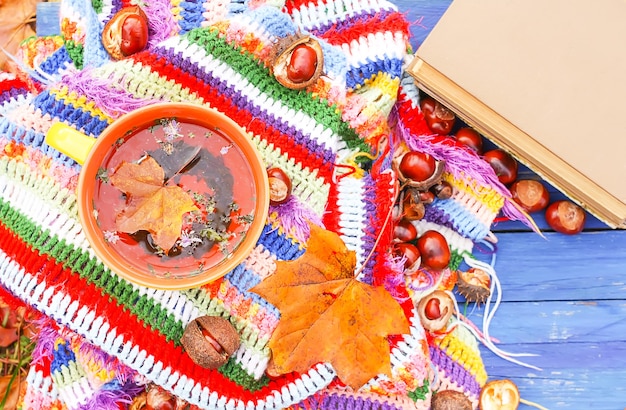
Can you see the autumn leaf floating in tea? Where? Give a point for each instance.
(329, 316)
(152, 206)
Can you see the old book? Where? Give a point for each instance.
(545, 81)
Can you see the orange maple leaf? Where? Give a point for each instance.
(329, 316)
(152, 206)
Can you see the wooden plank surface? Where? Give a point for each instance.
(564, 297)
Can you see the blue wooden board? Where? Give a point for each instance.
(564, 297)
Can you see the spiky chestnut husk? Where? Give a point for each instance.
(474, 284)
(281, 55)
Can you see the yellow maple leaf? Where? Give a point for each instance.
(152, 206)
(329, 316)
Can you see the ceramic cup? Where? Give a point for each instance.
(217, 160)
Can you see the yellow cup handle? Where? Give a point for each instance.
(72, 143)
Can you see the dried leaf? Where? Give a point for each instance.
(152, 206)
(11, 317)
(174, 164)
(329, 316)
(13, 393)
(9, 322)
(7, 336)
(16, 18)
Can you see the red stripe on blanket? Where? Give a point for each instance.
(45, 268)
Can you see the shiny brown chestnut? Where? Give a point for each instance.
(298, 61)
(302, 63)
(417, 166)
(410, 253)
(470, 138)
(418, 170)
(159, 399)
(404, 231)
(504, 165)
(531, 195)
(438, 117)
(126, 33)
(565, 217)
(154, 398)
(210, 341)
(280, 186)
(434, 248)
(427, 197)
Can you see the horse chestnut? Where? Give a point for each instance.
(409, 252)
(210, 341)
(126, 33)
(302, 63)
(280, 186)
(565, 217)
(434, 249)
(439, 118)
(503, 164)
(404, 231)
(470, 138)
(159, 399)
(432, 309)
(417, 166)
(442, 190)
(435, 310)
(499, 395)
(134, 35)
(299, 61)
(427, 197)
(531, 195)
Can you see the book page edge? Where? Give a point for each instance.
(522, 146)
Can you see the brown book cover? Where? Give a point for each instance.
(545, 80)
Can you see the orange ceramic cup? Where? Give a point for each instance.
(128, 139)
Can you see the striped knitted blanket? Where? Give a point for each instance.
(104, 339)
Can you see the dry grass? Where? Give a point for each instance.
(16, 346)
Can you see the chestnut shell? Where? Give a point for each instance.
(412, 206)
(201, 351)
(283, 50)
(434, 179)
(474, 285)
(450, 400)
(446, 307)
(499, 395)
(112, 31)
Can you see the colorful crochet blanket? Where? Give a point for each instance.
(104, 339)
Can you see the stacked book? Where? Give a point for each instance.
(545, 81)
